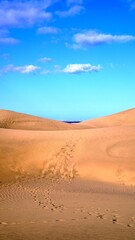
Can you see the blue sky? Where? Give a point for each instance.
(67, 60)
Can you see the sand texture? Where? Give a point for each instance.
(67, 181)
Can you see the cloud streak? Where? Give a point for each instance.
(74, 10)
(45, 59)
(92, 38)
(21, 69)
(81, 68)
(8, 40)
(48, 30)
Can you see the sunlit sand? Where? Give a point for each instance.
(67, 181)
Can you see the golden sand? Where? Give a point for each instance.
(63, 181)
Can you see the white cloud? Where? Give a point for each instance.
(92, 38)
(45, 59)
(21, 69)
(26, 69)
(70, 68)
(74, 10)
(27, 13)
(23, 13)
(81, 68)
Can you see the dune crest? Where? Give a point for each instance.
(15, 120)
(125, 118)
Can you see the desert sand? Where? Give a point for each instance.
(67, 181)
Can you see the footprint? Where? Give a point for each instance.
(114, 220)
(100, 215)
(129, 225)
(59, 220)
(3, 223)
(89, 213)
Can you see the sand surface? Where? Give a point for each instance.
(125, 118)
(66, 183)
(14, 120)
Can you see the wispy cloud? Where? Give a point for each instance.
(4, 56)
(48, 30)
(6, 39)
(23, 13)
(81, 68)
(21, 69)
(92, 38)
(45, 59)
(74, 10)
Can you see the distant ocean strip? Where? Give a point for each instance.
(72, 121)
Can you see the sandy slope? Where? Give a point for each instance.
(105, 154)
(14, 120)
(76, 184)
(125, 118)
(99, 154)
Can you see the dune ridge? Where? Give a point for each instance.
(15, 120)
(125, 118)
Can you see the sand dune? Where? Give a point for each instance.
(76, 184)
(103, 154)
(14, 120)
(125, 118)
